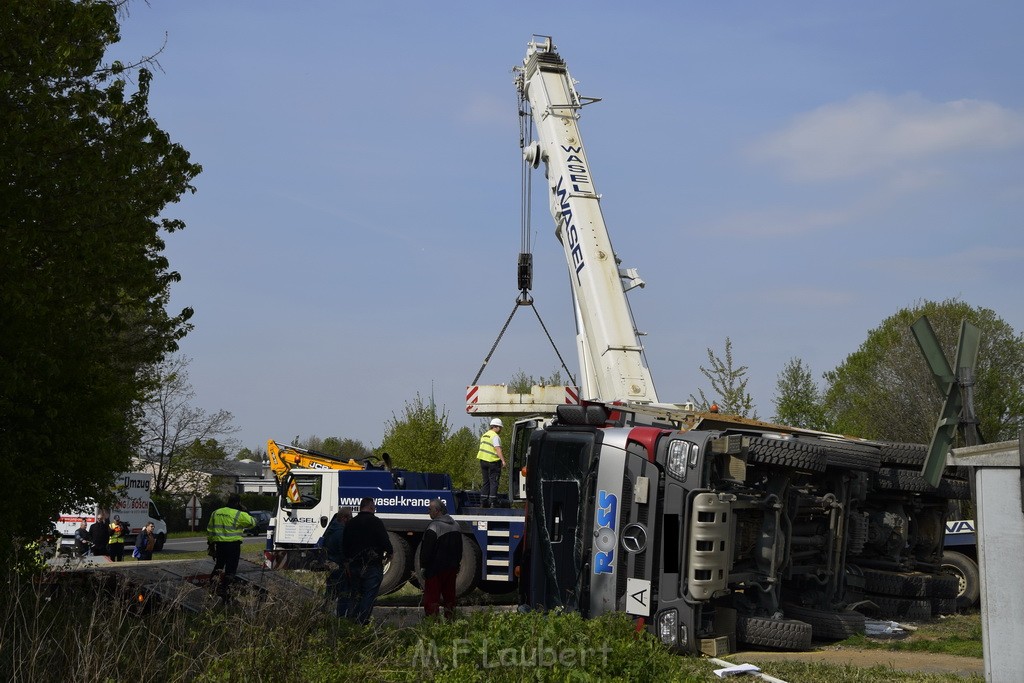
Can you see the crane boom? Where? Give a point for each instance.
(612, 366)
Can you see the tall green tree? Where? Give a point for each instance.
(798, 399)
(728, 385)
(422, 439)
(85, 174)
(336, 446)
(884, 390)
(346, 448)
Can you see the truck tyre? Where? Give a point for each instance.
(944, 606)
(826, 625)
(909, 584)
(160, 540)
(909, 481)
(469, 569)
(850, 455)
(786, 453)
(398, 568)
(967, 575)
(782, 634)
(943, 586)
(903, 454)
(913, 609)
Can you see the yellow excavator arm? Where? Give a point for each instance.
(283, 458)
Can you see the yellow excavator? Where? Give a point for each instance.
(284, 457)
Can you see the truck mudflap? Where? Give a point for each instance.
(709, 553)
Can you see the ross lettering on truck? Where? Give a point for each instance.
(604, 536)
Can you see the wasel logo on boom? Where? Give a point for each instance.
(604, 537)
(578, 173)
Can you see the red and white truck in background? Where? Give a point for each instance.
(132, 505)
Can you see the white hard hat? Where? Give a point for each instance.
(496, 422)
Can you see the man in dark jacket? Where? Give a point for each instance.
(99, 534)
(82, 539)
(440, 557)
(334, 538)
(366, 545)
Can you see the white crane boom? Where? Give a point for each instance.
(611, 357)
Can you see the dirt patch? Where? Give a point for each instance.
(922, 662)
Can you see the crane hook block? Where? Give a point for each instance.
(525, 272)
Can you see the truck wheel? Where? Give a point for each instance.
(787, 453)
(826, 625)
(913, 609)
(468, 577)
(160, 539)
(903, 454)
(397, 569)
(469, 570)
(909, 584)
(850, 455)
(782, 634)
(968, 578)
(909, 481)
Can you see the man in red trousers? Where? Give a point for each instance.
(440, 556)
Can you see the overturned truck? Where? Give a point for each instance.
(714, 530)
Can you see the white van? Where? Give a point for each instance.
(133, 505)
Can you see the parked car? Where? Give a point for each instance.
(262, 518)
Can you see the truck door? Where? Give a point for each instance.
(557, 471)
(301, 509)
(521, 432)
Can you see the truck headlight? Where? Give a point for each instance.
(678, 454)
(668, 627)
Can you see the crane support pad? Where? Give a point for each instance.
(486, 400)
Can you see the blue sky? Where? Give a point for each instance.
(786, 174)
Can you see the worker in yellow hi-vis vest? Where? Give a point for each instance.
(224, 531)
(491, 461)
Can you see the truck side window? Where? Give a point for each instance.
(305, 492)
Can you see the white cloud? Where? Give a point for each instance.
(872, 131)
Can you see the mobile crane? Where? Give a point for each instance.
(707, 528)
(313, 486)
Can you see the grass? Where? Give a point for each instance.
(957, 634)
(93, 631)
